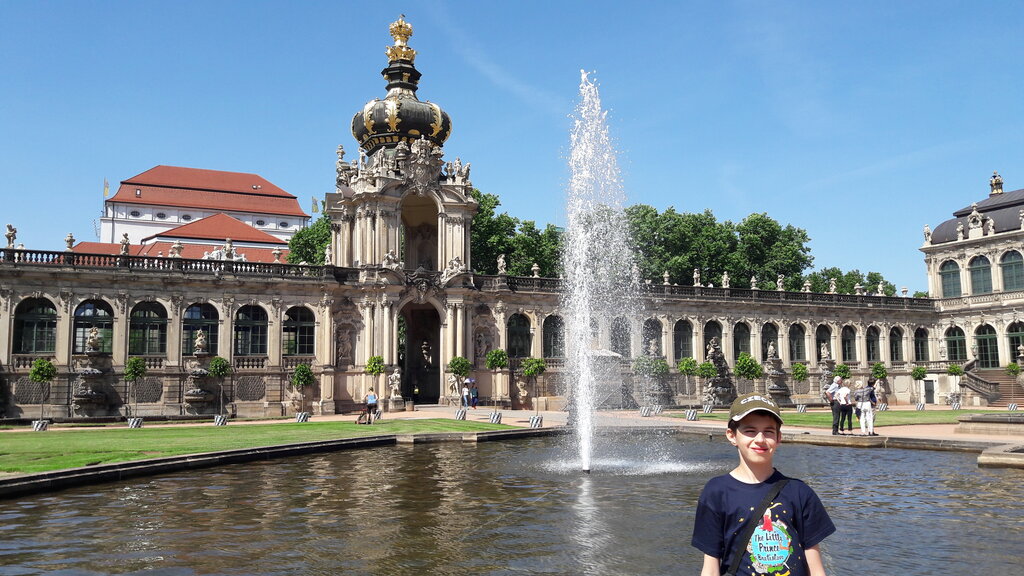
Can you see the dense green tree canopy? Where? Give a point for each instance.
(309, 244)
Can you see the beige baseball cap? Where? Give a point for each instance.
(749, 403)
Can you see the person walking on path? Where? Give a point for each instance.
(474, 395)
(845, 408)
(371, 405)
(830, 395)
(465, 395)
(754, 520)
(866, 401)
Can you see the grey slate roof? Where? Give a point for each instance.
(1003, 209)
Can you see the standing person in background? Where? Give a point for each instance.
(866, 402)
(465, 395)
(845, 408)
(371, 405)
(474, 395)
(830, 396)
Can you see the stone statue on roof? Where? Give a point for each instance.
(12, 235)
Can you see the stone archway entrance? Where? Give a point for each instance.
(420, 353)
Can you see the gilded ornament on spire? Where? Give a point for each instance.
(401, 31)
(392, 111)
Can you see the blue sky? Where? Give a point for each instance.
(857, 121)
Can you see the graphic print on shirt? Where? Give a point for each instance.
(771, 545)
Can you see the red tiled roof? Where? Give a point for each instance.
(218, 227)
(207, 190)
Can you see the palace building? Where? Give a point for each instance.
(191, 267)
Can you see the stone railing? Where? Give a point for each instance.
(74, 260)
(25, 361)
(290, 362)
(250, 362)
(153, 362)
(975, 383)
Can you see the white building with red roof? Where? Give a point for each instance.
(169, 197)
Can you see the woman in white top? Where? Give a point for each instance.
(866, 403)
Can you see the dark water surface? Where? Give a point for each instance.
(519, 507)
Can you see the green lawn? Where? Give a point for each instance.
(888, 418)
(29, 452)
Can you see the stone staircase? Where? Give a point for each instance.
(1009, 389)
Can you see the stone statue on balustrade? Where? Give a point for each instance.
(725, 279)
(501, 264)
(778, 282)
(12, 235)
(391, 261)
(125, 244)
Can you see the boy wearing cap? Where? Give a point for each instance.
(789, 519)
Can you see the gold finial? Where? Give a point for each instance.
(401, 31)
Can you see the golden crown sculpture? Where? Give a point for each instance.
(401, 31)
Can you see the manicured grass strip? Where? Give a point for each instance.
(882, 419)
(29, 452)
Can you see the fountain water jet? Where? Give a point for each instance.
(600, 272)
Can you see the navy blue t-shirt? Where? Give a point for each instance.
(794, 521)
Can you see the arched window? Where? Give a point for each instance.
(1015, 334)
(956, 345)
(35, 327)
(297, 333)
(848, 344)
(554, 337)
(682, 340)
(147, 330)
(711, 330)
(949, 274)
(740, 340)
(797, 348)
(518, 335)
(871, 340)
(769, 335)
(896, 344)
(620, 337)
(1012, 266)
(988, 350)
(981, 275)
(921, 345)
(199, 317)
(652, 337)
(823, 341)
(93, 314)
(251, 331)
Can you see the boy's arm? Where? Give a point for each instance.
(815, 567)
(712, 568)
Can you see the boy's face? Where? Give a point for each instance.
(757, 436)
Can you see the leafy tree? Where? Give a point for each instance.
(219, 367)
(533, 367)
(842, 370)
(653, 366)
(921, 294)
(767, 249)
(309, 244)
(135, 370)
(918, 373)
(955, 370)
(748, 368)
(491, 233)
(43, 372)
(846, 282)
(687, 366)
(496, 359)
(532, 246)
(707, 370)
(302, 377)
(1013, 369)
(374, 366)
(800, 373)
(878, 371)
(459, 366)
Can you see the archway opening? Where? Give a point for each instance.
(420, 352)
(419, 233)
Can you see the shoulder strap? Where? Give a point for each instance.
(748, 530)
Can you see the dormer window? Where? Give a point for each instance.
(283, 224)
(261, 222)
(186, 217)
(136, 213)
(161, 215)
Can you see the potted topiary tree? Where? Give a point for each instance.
(496, 361)
(301, 378)
(651, 369)
(460, 367)
(219, 368)
(917, 374)
(43, 372)
(842, 370)
(800, 373)
(532, 368)
(374, 367)
(1013, 369)
(749, 369)
(688, 368)
(956, 371)
(134, 370)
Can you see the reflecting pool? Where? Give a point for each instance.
(520, 507)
